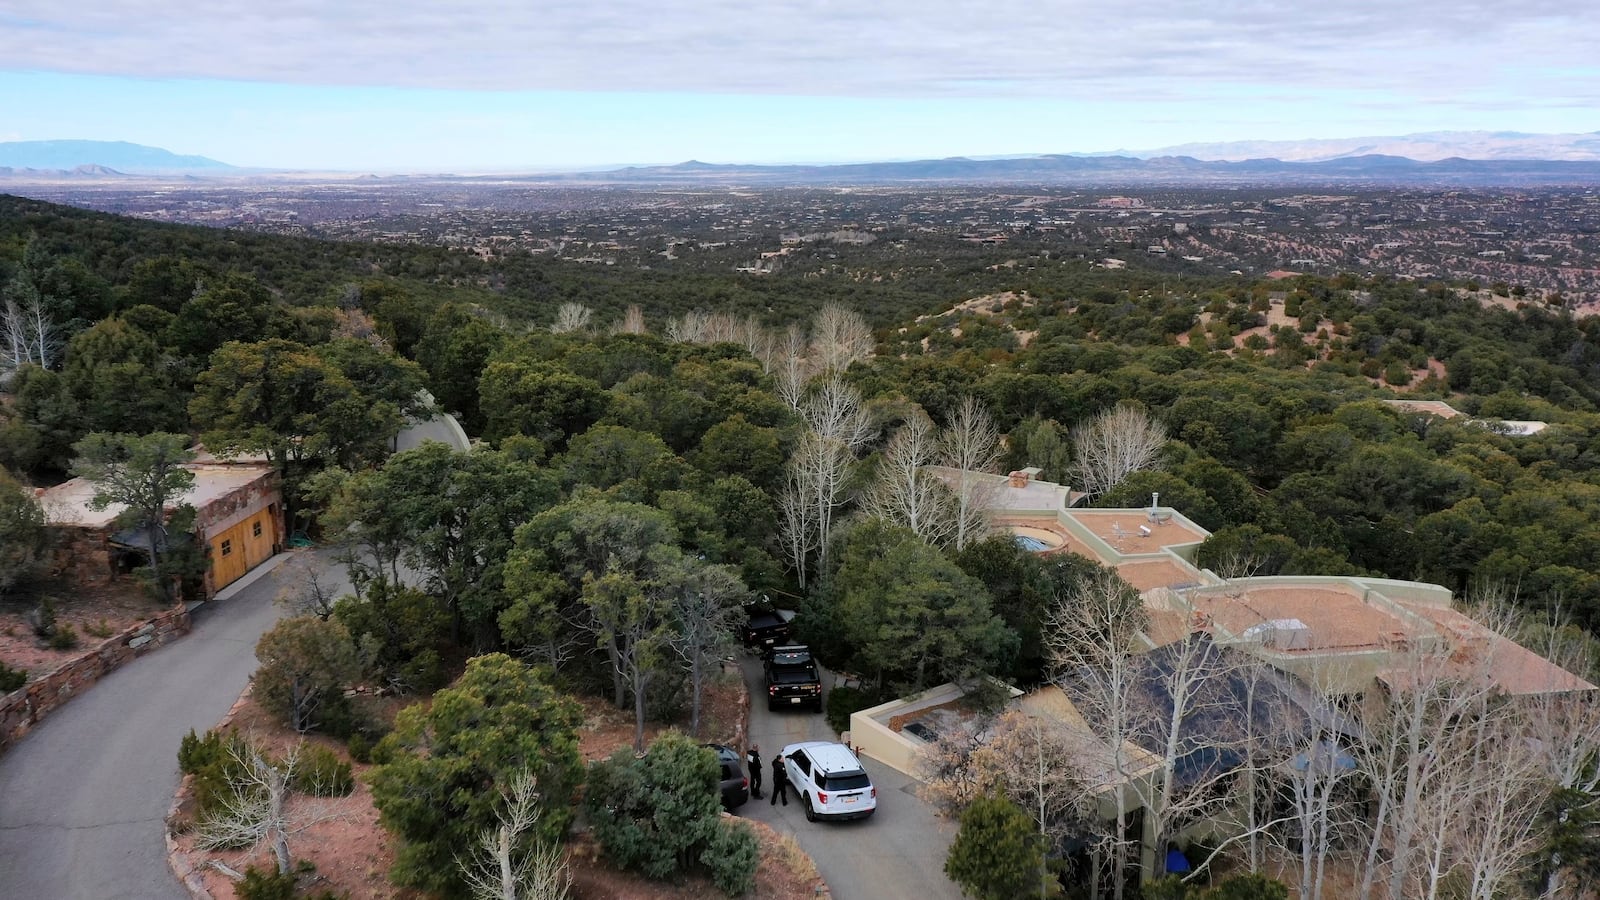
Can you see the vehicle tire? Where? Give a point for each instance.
(811, 813)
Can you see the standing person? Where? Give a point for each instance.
(780, 782)
(752, 758)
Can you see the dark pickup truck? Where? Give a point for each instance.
(765, 628)
(792, 678)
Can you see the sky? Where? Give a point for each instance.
(408, 85)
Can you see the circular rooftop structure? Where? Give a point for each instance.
(1037, 540)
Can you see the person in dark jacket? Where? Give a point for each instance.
(752, 758)
(780, 782)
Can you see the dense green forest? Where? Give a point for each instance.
(657, 448)
(1277, 440)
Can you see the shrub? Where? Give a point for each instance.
(321, 773)
(842, 701)
(196, 752)
(216, 761)
(997, 854)
(732, 855)
(660, 815)
(359, 748)
(101, 630)
(11, 679)
(64, 638)
(265, 884)
(43, 618)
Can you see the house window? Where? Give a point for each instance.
(227, 548)
(255, 530)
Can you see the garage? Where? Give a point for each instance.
(242, 547)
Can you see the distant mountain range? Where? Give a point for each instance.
(1465, 158)
(1425, 146)
(1375, 170)
(103, 158)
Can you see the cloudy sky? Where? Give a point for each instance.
(413, 85)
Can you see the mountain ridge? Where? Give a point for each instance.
(120, 157)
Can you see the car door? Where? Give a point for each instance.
(799, 767)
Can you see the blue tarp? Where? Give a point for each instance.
(1177, 863)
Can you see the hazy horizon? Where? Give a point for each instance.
(403, 86)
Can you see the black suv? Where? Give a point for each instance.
(765, 629)
(792, 678)
(735, 786)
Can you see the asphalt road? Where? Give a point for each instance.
(83, 797)
(897, 854)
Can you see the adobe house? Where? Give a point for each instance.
(238, 518)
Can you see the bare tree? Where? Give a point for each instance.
(1411, 762)
(971, 446)
(632, 321)
(571, 317)
(839, 337)
(790, 366)
(256, 808)
(690, 328)
(706, 609)
(500, 867)
(1325, 806)
(814, 490)
(1091, 635)
(797, 531)
(835, 411)
(1492, 831)
(904, 491)
(309, 590)
(1114, 445)
(27, 333)
(1030, 760)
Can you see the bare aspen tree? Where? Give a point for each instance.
(971, 446)
(1114, 445)
(834, 410)
(790, 367)
(500, 867)
(1492, 832)
(570, 318)
(256, 810)
(632, 321)
(689, 328)
(797, 532)
(757, 340)
(817, 479)
(28, 335)
(839, 337)
(1091, 635)
(1325, 804)
(904, 491)
(1410, 760)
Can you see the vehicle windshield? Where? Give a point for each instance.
(844, 781)
(801, 658)
(802, 675)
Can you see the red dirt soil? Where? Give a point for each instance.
(95, 612)
(353, 853)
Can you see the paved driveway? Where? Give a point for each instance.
(82, 797)
(897, 854)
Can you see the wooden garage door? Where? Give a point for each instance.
(241, 548)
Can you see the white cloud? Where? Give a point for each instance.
(1160, 49)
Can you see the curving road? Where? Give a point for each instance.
(83, 797)
(897, 854)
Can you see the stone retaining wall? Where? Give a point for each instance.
(24, 707)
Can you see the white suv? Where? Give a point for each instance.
(830, 781)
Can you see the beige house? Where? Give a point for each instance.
(238, 518)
